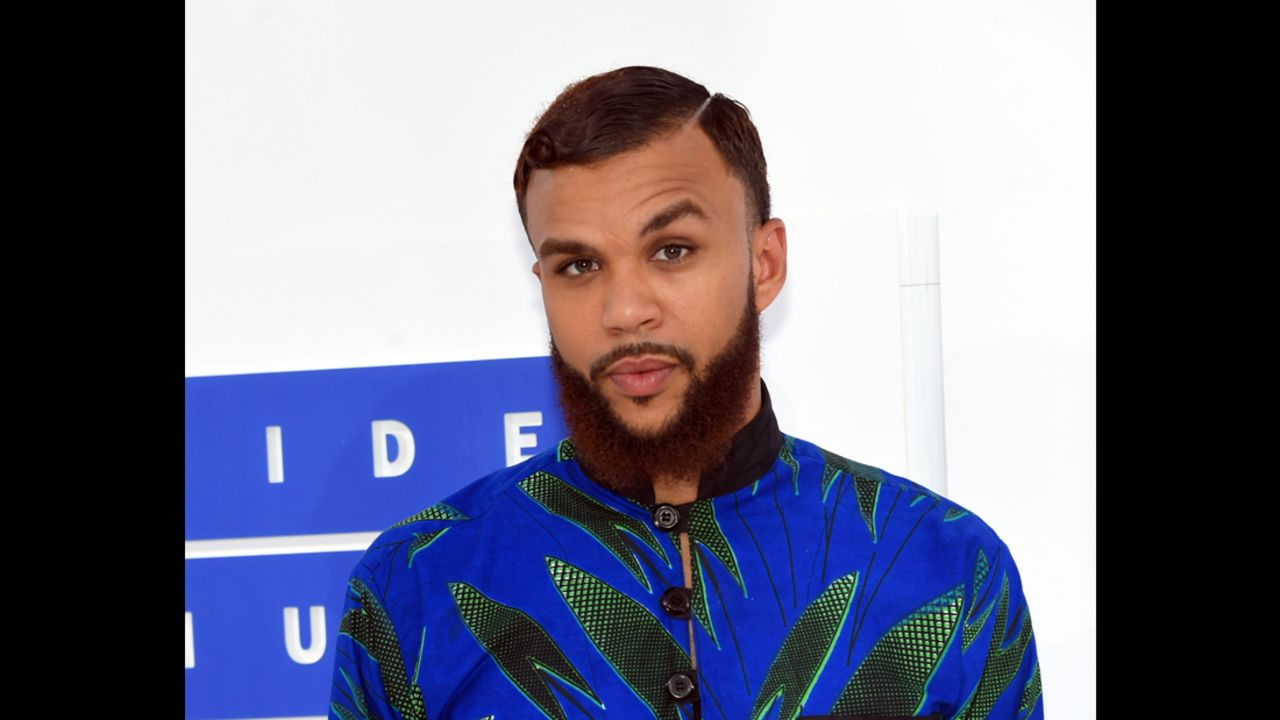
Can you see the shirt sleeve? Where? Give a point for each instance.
(357, 692)
(1006, 685)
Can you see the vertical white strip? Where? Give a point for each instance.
(191, 644)
(293, 636)
(920, 287)
(275, 455)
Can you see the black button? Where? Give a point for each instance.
(666, 517)
(676, 601)
(680, 686)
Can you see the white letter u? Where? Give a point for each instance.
(293, 636)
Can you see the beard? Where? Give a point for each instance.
(695, 438)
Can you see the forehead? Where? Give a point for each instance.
(618, 194)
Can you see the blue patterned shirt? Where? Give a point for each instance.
(819, 587)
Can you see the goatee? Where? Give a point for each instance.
(695, 439)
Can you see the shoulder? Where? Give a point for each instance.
(884, 486)
(471, 505)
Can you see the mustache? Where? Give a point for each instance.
(682, 356)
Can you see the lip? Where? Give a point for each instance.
(641, 377)
(642, 365)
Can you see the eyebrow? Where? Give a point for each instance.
(664, 217)
(672, 213)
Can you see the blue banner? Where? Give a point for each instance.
(287, 473)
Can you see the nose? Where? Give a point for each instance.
(630, 305)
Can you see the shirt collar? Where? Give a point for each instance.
(752, 451)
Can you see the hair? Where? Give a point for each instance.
(611, 113)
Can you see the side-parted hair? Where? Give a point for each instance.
(608, 114)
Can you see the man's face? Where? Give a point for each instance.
(644, 261)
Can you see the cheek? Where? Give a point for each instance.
(721, 300)
(570, 328)
(730, 305)
(707, 322)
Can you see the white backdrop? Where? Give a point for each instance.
(349, 204)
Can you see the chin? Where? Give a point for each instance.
(646, 419)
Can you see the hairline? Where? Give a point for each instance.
(751, 212)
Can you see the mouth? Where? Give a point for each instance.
(640, 378)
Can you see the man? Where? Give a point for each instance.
(677, 556)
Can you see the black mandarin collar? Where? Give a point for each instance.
(752, 452)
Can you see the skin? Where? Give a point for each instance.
(625, 287)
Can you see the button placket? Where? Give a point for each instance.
(677, 601)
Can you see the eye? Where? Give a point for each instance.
(673, 253)
(577, 267)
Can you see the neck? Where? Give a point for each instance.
(674, 490)
(680, 489)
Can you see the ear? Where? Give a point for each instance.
(769, 261)
(537, 270)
